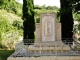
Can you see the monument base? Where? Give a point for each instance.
(51, 46)
(48, 43)
(46, 58)
(42, 52)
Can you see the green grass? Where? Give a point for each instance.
(4, 54)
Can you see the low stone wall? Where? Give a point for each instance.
(46, 58)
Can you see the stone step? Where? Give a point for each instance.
(58, 48)
(46, 58)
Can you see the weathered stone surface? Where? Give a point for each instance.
(11, 58)
(58, 31)
(48, 22)
(48, 29)
(21, 48)
(46, 58)
(38, 32)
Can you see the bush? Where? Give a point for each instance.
(9, 35)
(18, 24)
(10, 39)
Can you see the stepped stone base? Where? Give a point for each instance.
(50, 52)
(58, 46)
(46, 58)
(48, 43)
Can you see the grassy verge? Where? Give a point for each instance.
(4, 54)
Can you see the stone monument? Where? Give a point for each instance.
(48, 29)
(48, 44)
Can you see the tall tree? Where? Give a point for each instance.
(28, 17)
(66, 20)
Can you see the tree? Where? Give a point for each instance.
(66, 20)
(76, 5)
(28, 17)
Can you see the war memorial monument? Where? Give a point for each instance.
(48, 44)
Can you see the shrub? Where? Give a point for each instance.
(17, 24)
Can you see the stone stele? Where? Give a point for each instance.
(48, 30)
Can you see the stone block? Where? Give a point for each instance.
(53, 58)
(21, 58)
(47, 48)
(58, 48)
(60, 58)
(39, 58)
(33, 48)
(66, 48)
(46, 58)
(76, 58)
(11, 58)
(32, 58)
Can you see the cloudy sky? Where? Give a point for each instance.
(46, 2)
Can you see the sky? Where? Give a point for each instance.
(45, 2)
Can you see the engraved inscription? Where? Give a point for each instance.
(48, 29)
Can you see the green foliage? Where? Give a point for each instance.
(28, 17)
(79, 39)
(37, 7)
(18, 24)
(44, 9)
(5, 26)
(76, 17)
(11, 6)
(76, 5)
(76, 28)
(10, 24)
(10, 39)
(9, 35)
